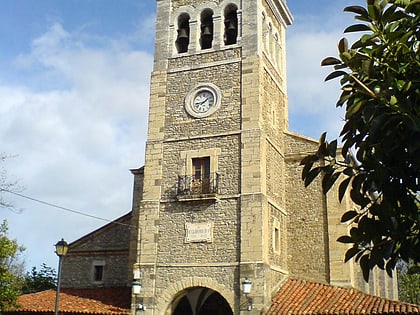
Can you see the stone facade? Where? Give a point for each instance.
(251, 217)
(99, 259)
(264, 225)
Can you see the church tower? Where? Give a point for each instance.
(212, 216)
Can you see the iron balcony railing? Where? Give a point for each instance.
(192, 186)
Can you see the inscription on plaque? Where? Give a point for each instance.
(199, 232)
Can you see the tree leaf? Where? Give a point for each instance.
(335, 74)
(345, 239)
(357, 28)
(354, 108)
(330, 61)
(328, 181)
(351, 252)
(309, 159)
(343, 45)
(332, 148)
(364, 264)
(349, 215)
(357, 10)
(312, 175)
(343, 188)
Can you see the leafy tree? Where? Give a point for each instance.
(409, 284)
(11, 270)
(380, 82)
(41, 280)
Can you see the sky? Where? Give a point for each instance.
(74, 92)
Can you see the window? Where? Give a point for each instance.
(231, 25)
(183, 37)
(276, 240)
(201, 167)
(98, 273)
(206, 38)
(199, 178)
(276, 237)
(201, 175)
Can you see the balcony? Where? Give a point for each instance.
(192, 188)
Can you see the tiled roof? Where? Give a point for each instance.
(109, 301)
(298, 297)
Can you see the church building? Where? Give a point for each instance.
(221, 220)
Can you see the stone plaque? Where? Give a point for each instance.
(198, 232)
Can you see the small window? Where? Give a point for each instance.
(276, 240)
(98, 273)
(201, 167)
(206, 38)
(183, 33)
(231, 25)
(201, 175)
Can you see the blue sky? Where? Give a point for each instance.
(74, 88)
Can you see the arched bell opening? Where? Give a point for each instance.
(231, 24)
(200, 301)
(183, 33)
(206, 36)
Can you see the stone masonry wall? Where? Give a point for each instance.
(225, 246)
(307, 232)
(77, 270)
(179, 124)
(228, 163)
(110, 245)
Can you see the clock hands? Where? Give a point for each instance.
(202, 102)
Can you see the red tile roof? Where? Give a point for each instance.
(298, 297)
(109, 301)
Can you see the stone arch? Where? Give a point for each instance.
(178, 289)
(231, 26)
(182, 15)
(206, 28)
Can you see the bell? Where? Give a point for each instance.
(206, 31)
(182, 34)
(231, 26)
(231, 33)
(206, 38)
(182, 41)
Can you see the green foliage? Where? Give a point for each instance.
(409, 284)
(10, 269)
(380, 82)
(36, 281)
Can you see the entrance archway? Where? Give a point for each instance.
(200, 301)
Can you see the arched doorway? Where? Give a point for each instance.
(200, 301)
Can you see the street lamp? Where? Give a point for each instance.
(246, 288)
(137, 288)
(61, 249)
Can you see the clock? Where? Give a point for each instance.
(203, 100)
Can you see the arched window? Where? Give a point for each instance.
(183, 37)
(231, 24)
(206, 38)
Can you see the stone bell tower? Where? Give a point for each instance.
(212, 215)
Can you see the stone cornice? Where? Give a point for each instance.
(281, 11)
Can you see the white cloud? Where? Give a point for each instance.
(76, 139)
(311, 100)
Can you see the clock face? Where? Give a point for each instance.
(203, 101)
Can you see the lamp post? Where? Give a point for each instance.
(246, 288)
(137, 289)
(61, 249)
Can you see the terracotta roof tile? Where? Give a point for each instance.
(110, 301)
(298, 297)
